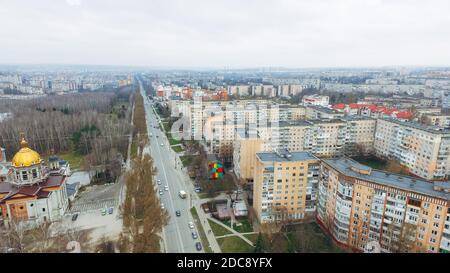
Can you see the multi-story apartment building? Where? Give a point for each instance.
(323, 138)
(437, 119)
(423, 149)
(292, 112)
(358, 205)
(285, 186)
(246, 146)
(349, 135)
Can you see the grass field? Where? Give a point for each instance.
(317, 240)
(186, 159)
(217, 229)
(245, 227)
(252, 237)
(75, 159)
(234, 244)
(201, 231)
(177, 149)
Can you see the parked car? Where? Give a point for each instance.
(161, 192)
(198, 246)
(178, 213)
(162, 206)
(159, 181)
(103, 212)
(74, 217)
(110, 210)
(198, 189)
(162, 144)
(166, 187)
(191, 225)
(194, 235)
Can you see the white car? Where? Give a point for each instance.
(159, 181)
(191, 225)
(162, 206)
(162, 144)
(166, 187)
(161, 192)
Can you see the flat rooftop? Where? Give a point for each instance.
(427, 128)
(407, 183)
(281, 157)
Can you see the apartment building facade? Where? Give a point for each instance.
(285, 186)
(323, 138)
(437, 119)
(423, 149)
(358, 205)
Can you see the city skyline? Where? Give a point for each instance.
(228, 34)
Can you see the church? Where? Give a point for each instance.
(31, 191)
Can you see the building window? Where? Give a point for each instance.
(24, 175)
(34, 172)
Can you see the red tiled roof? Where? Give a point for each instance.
(35, 190)
(53, 181)
(339, 106)
(404, 115)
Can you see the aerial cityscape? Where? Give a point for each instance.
(135, 128)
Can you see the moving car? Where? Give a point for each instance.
(74, 217)
(166, 187)
(198, 246)
(182, 194)
(162, 144)
(178, 213)
(194, 235)
(191, 225)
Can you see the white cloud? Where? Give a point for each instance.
(221, 33)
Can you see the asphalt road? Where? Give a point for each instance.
(177, 235)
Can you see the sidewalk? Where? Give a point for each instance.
(209, 235)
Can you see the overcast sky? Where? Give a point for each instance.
(232, 33)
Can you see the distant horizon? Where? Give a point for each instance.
(223, 68)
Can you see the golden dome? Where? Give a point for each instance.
(25, 157)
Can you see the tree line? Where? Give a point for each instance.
(94, 125)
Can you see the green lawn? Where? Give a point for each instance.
(201, 231)
(217, 229)
(252, 237)
(177, 149)
(316, 241)
(186, 159)
(202, 195)
(75, 159)
(234, 244)
(134, 148)
(244, 228)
